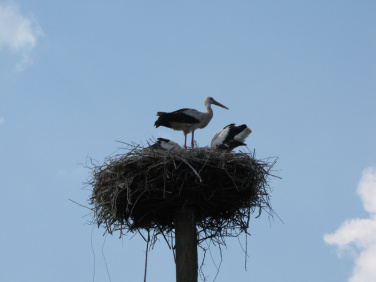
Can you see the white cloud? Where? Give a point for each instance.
(18, 33)
(367, 190)
(359, 235)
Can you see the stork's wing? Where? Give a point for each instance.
(234, 130)
(182, 115)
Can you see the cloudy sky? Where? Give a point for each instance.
(77, 76)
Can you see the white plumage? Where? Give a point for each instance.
(165, 145)
(230, 137)
(188, 120)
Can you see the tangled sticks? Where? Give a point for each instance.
(142, 189)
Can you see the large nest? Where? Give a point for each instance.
(142, 189)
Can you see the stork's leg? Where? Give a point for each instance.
(193, 141)
(185, 140)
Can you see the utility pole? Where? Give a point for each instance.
(186, 245)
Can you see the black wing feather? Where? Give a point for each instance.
(234, 130)
(176, 116)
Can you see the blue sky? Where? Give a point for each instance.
(77, 76)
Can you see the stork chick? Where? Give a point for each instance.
(230, 137)
(165, 145)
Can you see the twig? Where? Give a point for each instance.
(146, 256)
(199, 177)
(81, 205)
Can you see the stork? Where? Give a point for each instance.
(165, 145)
(230, 137)
(188, 120)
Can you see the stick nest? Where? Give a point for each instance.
(142, 189)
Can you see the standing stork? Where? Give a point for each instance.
(188, 120)
(230, 137)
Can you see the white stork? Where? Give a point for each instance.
(188, 120)
(230, 137)
(165, 145)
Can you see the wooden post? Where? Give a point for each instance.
(186, 245)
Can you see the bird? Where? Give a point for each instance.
(188, 120)
(230, 137)
(165, 145)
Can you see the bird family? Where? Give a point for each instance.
(188, 120)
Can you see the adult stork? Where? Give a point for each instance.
(230, 137)
(163, 144)
(188, 120)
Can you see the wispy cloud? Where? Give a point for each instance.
(359, 235)
(2, 120)
(18, 33)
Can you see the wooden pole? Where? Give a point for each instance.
(186, 245)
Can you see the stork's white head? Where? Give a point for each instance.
(210, 100)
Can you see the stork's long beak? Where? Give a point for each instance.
(219, 104)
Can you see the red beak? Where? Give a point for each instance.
(219, 104)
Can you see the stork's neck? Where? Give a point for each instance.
(209, 112)
(209, 109)
(206, 117)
